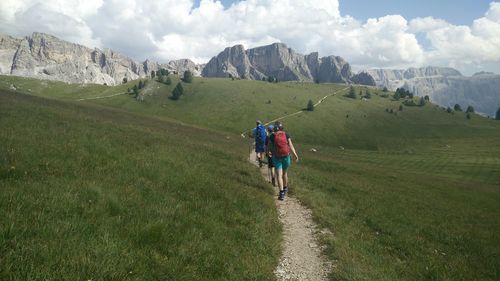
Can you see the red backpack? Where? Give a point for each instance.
(281, 148)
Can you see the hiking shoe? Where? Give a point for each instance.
(285, 189)
(273, 182)
(260, 163)
(281, 196)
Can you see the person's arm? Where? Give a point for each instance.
(292, 148)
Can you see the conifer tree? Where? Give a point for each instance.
(177, 92)
(310, 105)
(188, 76)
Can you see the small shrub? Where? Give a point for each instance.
(125, 80)
(310, 105)
(469, 109)
(457, 107)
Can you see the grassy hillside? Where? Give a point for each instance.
(408, 195)
(95, 193)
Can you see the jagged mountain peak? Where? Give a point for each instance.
(45, 56)
(279, 61)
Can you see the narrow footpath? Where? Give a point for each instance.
(302, 257)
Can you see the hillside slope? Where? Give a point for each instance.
(402, 192)
(96, 193)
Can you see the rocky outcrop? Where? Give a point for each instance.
(46, 57)
(445, 86)
(279, 61)
(363, 78)
(179, 66)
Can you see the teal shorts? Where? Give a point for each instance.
(282, 163)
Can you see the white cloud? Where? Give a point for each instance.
(427, 24)
(172, 29)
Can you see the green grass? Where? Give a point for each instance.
(395, 216)
(95, 193)
(413, 195)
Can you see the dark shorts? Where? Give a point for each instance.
(269, 162)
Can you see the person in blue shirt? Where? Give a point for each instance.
(260, 135)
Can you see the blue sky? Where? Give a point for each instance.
(458, 12)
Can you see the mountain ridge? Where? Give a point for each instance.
(282, 63)
(445, 86)
(44, 56)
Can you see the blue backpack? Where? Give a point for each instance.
(260, 134)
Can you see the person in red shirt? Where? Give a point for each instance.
(280, 146)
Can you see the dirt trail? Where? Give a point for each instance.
(301, 258)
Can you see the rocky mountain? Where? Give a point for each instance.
(279, 61)
(445, 86)
(46, 57)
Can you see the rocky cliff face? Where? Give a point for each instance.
(445, 86)
(281, 62)
(47, 57)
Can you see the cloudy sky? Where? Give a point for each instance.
(464, 34)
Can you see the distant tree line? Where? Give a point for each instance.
(458, 108)
(270, 79)
(402, 93)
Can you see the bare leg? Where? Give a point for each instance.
(285, 178)
(279, 173)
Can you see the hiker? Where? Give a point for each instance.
(270, 165)
(281, 145)
(260, 135)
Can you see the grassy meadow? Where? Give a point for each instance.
(407, 195)
(93, 193)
